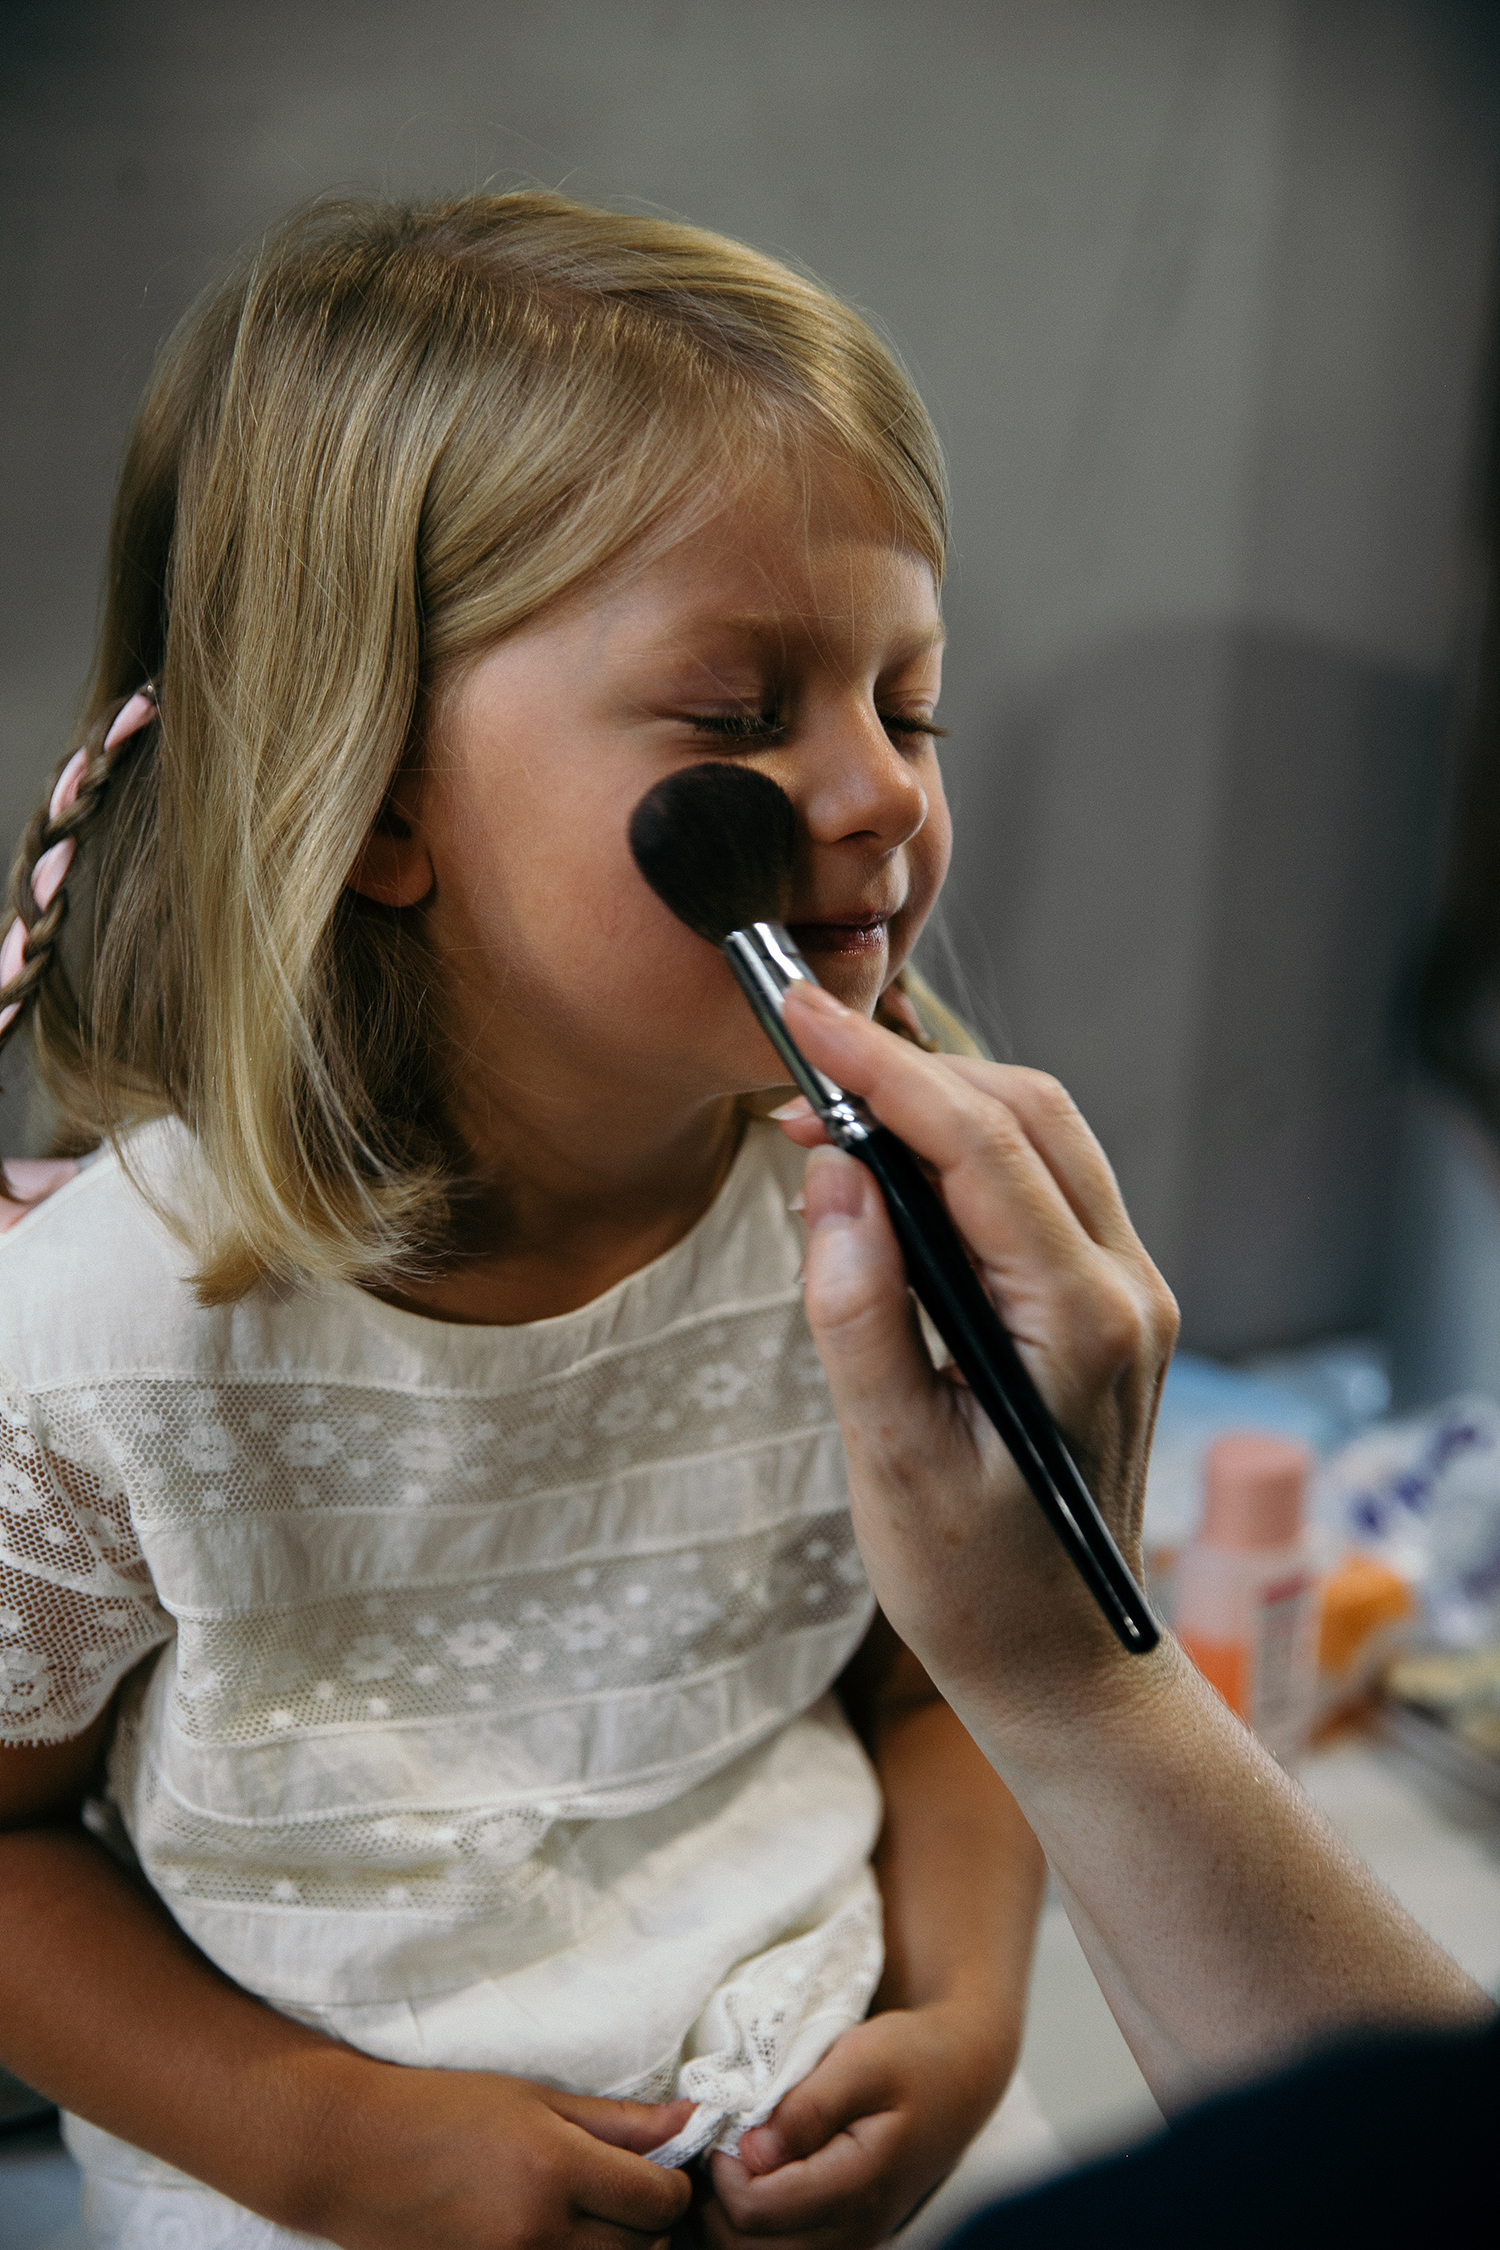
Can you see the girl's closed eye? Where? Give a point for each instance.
(912, 725)
(731, 727)
(768, 726)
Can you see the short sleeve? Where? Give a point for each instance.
(77, 1607)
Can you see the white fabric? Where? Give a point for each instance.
(1016, 2150)
(489, 1726)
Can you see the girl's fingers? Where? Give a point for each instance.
(846, 2084)
(623, 2190)
(612, 2182)
(639, 2126)
(596, 2234)
(811, 2189)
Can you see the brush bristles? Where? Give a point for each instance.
(717, 843)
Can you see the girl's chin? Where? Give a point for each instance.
(858, 992)
(857, 976)
(734, 1048)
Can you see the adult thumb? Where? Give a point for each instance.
(858, 1306)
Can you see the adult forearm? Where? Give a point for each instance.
(108, 2009)
(1225, 1921)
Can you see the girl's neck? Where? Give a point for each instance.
(547, 1232)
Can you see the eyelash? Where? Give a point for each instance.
(763, 726)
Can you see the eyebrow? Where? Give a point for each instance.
(754, 624)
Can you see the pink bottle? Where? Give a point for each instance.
(1247, 1590)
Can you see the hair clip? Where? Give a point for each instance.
(51, 868)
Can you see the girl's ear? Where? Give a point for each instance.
(394, 867)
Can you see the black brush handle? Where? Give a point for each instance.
(947, 1285)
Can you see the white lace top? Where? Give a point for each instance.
(489, 1725)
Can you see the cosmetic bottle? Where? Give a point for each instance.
(1247, 1587)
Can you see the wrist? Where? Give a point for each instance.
(324, 2112)
(1082, 1712)
(976, 2023)
(973, 2036)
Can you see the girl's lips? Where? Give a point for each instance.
(864, 934)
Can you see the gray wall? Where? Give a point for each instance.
(1199, 293)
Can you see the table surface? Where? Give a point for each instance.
(1436, 1850)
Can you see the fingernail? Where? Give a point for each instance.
(817, 997)
(799, 1106)
(799, 1201)
(768, 2154)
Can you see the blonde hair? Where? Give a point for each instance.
(390, 436)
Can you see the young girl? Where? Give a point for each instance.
(425, 1545)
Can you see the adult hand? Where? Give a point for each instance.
(1225, 1922)
(960, 1556)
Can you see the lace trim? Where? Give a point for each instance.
(772, 2022)
(669, 1443)
(269, 1443)
(77, 1608)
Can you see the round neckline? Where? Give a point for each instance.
(408, 1327)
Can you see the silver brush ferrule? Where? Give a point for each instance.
(765, 961)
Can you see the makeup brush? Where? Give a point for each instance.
(718, 845)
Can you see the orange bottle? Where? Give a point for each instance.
(1247, 1589)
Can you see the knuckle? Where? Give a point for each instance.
(806, 2123)
(998, 1136)
(1119, 1326)
(1051, 1092)
(1048, 1097)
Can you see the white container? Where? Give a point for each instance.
(1247, 1588)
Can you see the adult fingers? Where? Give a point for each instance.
(1062, 1138)
(1064, 1299)
(971, 1138)
(1051, 1121)
(1071, 1303)
(940, 1099)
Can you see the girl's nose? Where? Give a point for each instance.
(858, 786)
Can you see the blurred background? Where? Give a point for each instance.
(1201, 294)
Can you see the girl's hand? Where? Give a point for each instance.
(959, 1555)
(467, 2160)
(850, 2152)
